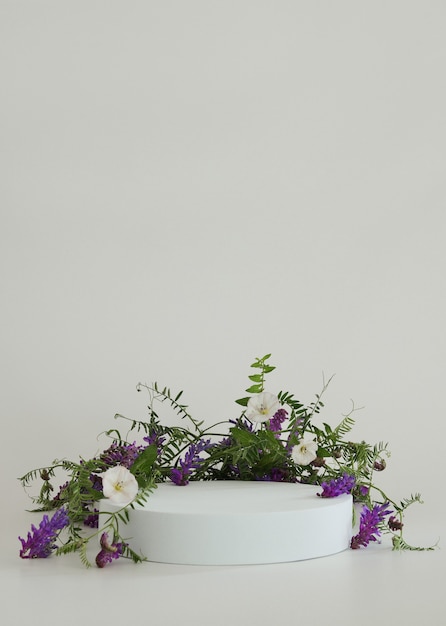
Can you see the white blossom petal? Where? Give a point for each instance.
(304, 452)
(119, 485)
(262, 407)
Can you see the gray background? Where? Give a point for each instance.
(186, 186)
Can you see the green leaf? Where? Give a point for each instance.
(144, 462)
(254, 389)
(322, 452)
(243, 437)
(110, 432)
(243, 401)
(256, 378)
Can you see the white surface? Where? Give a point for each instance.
(357, 586)
(186, 186)
(237, 523)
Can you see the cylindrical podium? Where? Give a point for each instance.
(236, 523)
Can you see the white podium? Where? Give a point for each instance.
(237, 523)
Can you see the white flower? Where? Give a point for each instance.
(119, 485)
(262, 407)
(304, 452)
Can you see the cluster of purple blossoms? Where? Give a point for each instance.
(278, 475)
(96, 482)
(275, 423)
(155, 439)
(338, 486)
(226, 442)
(369, 525)
(41, 542)
(92, 520)
(192, 460)
(243, 423)
(109, 551)
(60, 494)
(394, 523)
(124, 455)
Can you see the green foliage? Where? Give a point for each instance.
(256, 454)
(258, 379)
(399, 543)
(406, 502)
(244, 451)
(142, 467)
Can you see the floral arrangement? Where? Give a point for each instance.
(275, 438)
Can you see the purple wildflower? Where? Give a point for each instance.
(156, 439)
(278, 475)
(109, 551)
(42, 541)
(92, 520)
(61, 493)
(275, 423)
(243, 423)
(394, 523)
(235, 470)
(192, 460)
(96, 482)
(369, 525)
(226, 442)
(124, 455)
(337, 486)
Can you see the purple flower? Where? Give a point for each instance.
(109, 551)
(192, 460)
(278, 475)
(226, 442)
(61, 493)
(369, 525)
(156, 439)
(124, 455)
(337, 486)
(92, 520)
(394, 523)
(96, 482)
(242, 423)
(42, 541)
(275, 423)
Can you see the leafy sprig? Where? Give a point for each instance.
(245, 450)
(258, 378)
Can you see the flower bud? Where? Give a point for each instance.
(394, 523)
(318, 462)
